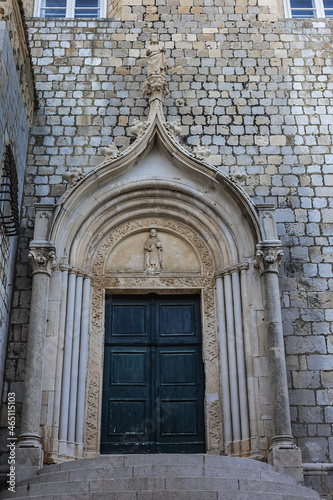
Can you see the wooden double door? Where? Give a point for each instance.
(153, 387)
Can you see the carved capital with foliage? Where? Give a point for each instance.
(268, 258)
(42, 260)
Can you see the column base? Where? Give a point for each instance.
(287, 460)
(28, 461)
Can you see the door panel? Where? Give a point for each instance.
(128, 367)
(153, 387)
(129, 320)
(178, 320)
(180, 384)
(126, 399)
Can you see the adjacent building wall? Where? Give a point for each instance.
(16, 110)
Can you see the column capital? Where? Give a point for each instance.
(42, 260)
(268, 258)
(236, 268)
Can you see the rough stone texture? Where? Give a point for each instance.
(259, 93)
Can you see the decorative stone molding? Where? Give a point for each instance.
(131, 226)
(268, 258)
(42, 260)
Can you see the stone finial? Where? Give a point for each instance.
(110, 151)
(202, 152)
(72, 177)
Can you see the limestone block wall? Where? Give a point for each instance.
(150, 10)
(259, 93)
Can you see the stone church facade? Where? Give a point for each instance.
(177, 150)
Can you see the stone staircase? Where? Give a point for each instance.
(160, 477)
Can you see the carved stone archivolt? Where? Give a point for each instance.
(145, 282)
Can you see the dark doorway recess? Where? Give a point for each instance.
(153, 387)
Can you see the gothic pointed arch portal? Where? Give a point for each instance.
(206, 237)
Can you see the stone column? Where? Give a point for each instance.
(227, 427)
(232, 358)
(82, 366)
(283, 454)
(67, 362)
(29, 455)
(241, 371)
(268, 258)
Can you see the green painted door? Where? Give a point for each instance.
(153, 387)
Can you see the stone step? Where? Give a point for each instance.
(160, 484)
(159, 471)
(159, 459)
(160, 477)
(169, 495)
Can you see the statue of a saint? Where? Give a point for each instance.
(156, 58)
(153, 254)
